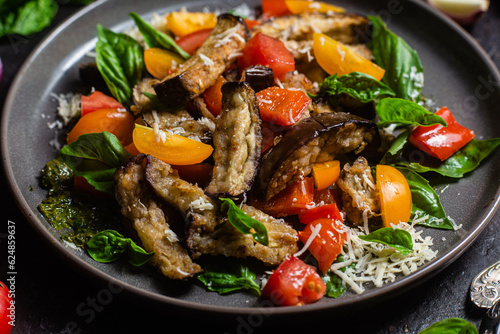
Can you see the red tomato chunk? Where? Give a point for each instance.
(439, 141)
(267, 51)
(294, 283)
(96, 101)
(293, 199)
(327, 244)
(282, 106)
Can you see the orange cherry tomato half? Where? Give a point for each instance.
(174, 150)
(159, 62)
(184, 23)
(395, 195)
(335, 57)
(119, 123)
(325, 173)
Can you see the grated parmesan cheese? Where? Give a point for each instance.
(314, 232)
(206, 61)
(379, 264)
(200, 204)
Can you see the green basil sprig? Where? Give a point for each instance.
(425, 199)
(26, 17)
(110, 245)
(120, 60)
(404, 112)
(464, 161)
(155, 38)
(244, 223)
(451, 326)
(228, 279)
(96, 156)
(404, 72)
(394, 237)
(360, 86)
(334, 284)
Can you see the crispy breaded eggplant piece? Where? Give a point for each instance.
(359, 194)
(199, 72)
(318, 138)
(237, 141)
(344, 27)
(209, 232)
(144, 212)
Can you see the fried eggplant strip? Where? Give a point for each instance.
(141, 208)
(237, 141)
(199, 72)
(208, 232)
(316, 139)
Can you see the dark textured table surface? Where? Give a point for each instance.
(50, 295)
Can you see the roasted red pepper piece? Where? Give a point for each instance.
(439, 141)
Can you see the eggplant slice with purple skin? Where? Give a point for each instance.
(201, 71)
(237, 141)
(316, 139)
(208, 231)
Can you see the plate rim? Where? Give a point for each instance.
(373, 296)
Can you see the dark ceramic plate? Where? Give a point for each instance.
(458, 74)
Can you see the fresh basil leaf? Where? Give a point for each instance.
(391, 155)
(464, 161)
(157, 39)
(120, 61)
(360, 86)
(95, 156)
(394, 237)
(404, 72)
(363, 87)
(334, 284)
(451, 326)
(404, 112)
(244, 223)
(137, 256)
(26, 17)
(109, 245)
(227, 280)
(426, 200)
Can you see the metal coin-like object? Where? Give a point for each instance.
(485, 287)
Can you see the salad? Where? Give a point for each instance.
(283, 135)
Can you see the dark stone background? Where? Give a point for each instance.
(48, 292)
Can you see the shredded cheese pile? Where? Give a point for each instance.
(379, 264)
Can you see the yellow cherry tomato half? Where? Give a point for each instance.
(395, 195)
(306, 6)
(159, 62)
(325, 173)
(335, 57)
(183, 23)
(170, 148)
